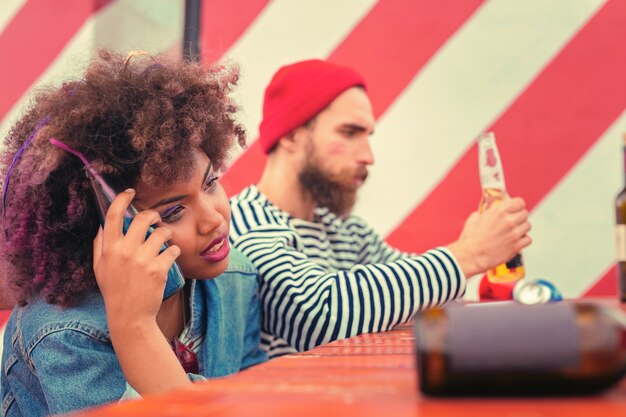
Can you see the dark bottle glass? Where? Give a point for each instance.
(513, 349)
(620, 235)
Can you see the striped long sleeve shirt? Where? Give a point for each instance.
(334, 277)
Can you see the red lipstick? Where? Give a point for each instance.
(217, 250)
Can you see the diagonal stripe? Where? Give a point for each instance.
(4, 317)
(223, 22)
(471, 80)
(573, 225)
(245, 171)
(154, 26)
(384, 34)
(606, 286)
(8, 11)
(549, 127)
(37, 23)
(378, 46)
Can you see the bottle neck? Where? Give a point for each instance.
(489, 164)
(491, 196)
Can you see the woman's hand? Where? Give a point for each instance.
(131, 275)
(130, 271)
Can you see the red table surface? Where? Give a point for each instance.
(366, 375)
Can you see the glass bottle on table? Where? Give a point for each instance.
(514, 349)
(620, 234)
(493, 192)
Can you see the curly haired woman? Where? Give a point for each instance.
(92, 324)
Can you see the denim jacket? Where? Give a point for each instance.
(57, 359)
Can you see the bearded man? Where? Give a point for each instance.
(325, 274)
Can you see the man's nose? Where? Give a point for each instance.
(365, 155)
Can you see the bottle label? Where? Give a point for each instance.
(510, 337)
(620, 240)
(489, 164)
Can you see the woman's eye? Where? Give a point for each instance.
(210, 183)
(172, 214)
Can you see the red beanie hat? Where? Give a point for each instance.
(298, 92)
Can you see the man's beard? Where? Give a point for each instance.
(336, 192)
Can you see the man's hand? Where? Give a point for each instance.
(492, 237)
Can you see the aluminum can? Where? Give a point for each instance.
(537, 291)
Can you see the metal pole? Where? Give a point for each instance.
(191, 32)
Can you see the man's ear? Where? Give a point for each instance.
(293, 141)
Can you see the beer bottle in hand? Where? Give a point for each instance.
(494, 191)
(620, 232)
